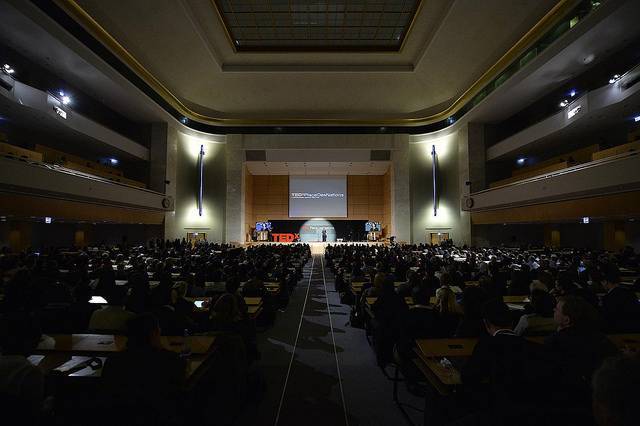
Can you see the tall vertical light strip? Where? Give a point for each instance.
(434, 169)
(201, 179)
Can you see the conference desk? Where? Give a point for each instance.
(254, 305)
(68, 355)
(517, 300)
(444, 378)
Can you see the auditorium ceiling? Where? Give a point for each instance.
(426, 61)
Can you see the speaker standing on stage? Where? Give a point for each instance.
(324, 235)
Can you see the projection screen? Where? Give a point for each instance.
(317, 196)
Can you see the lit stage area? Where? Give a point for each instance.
(319, 247)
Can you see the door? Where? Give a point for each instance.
(194, 237)
(438, 237)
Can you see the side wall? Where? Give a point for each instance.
(183, 175)
(452, 174)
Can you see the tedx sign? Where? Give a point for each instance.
(285, 238)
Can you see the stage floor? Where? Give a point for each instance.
(318, 247)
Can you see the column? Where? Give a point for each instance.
(234, 212)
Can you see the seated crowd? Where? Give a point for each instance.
(533, 362)
(148, 292)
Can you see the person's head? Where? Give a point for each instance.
(20, 334)
(611, 278)
(420, 297)
(378, 280)
(143, 331)
(542, 303)
(225, 310)
(614, 387)
(574, 311)
(232, 285)
(496, 316)
(446, 301)
(473, 301)
(388, 285)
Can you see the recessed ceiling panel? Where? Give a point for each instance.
(317, 25)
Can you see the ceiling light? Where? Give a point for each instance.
(615, 78)
(451, 120)
(564, 103)
(113, 161)
(8, 69)
(572, 93)
(589, 58)
(184, 120)
(521, 161)
(636, 118)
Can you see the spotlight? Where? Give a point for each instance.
(184, 120)
(113, 161)
(450, 120)
(521, 161)
(66, 99)
(615, 78)
(572, 93)
(8, 69)
(636, 118)
(564, 103)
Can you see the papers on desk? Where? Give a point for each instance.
(35, 359)
(82, 366)
(515, 307)
(98, 300)
(121, 282)
(456, 289)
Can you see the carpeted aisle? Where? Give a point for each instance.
(306, 390)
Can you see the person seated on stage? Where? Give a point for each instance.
(145, 380)
(112, 318)
(620, 306)
(389, 312)
(471, 324)
(511, 365)
(21, 383)
(540, 322)
(448, 312)
(578, 348)
(614, 391)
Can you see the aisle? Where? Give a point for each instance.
(306, 388)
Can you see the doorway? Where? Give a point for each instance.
(437, 238)
(195, 237)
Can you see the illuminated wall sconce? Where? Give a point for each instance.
(434, 169)
(200, 179)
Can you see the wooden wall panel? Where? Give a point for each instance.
(621, 205)
(368, 198)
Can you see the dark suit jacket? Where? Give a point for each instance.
(621, 311)
(144, 382)
(576, 355)
(513, 366)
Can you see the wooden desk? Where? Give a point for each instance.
(371, 300)
(446, 347)
(253, 301)
(108, 343)
(254, 311)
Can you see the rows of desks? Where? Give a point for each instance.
(444, 377)
(83, 355)
(254, 305)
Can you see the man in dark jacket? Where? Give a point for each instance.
(512, 365)
(145, 380)
(620, 306)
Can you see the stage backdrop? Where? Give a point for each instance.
(368, 198)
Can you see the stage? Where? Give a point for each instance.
(318, 247)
